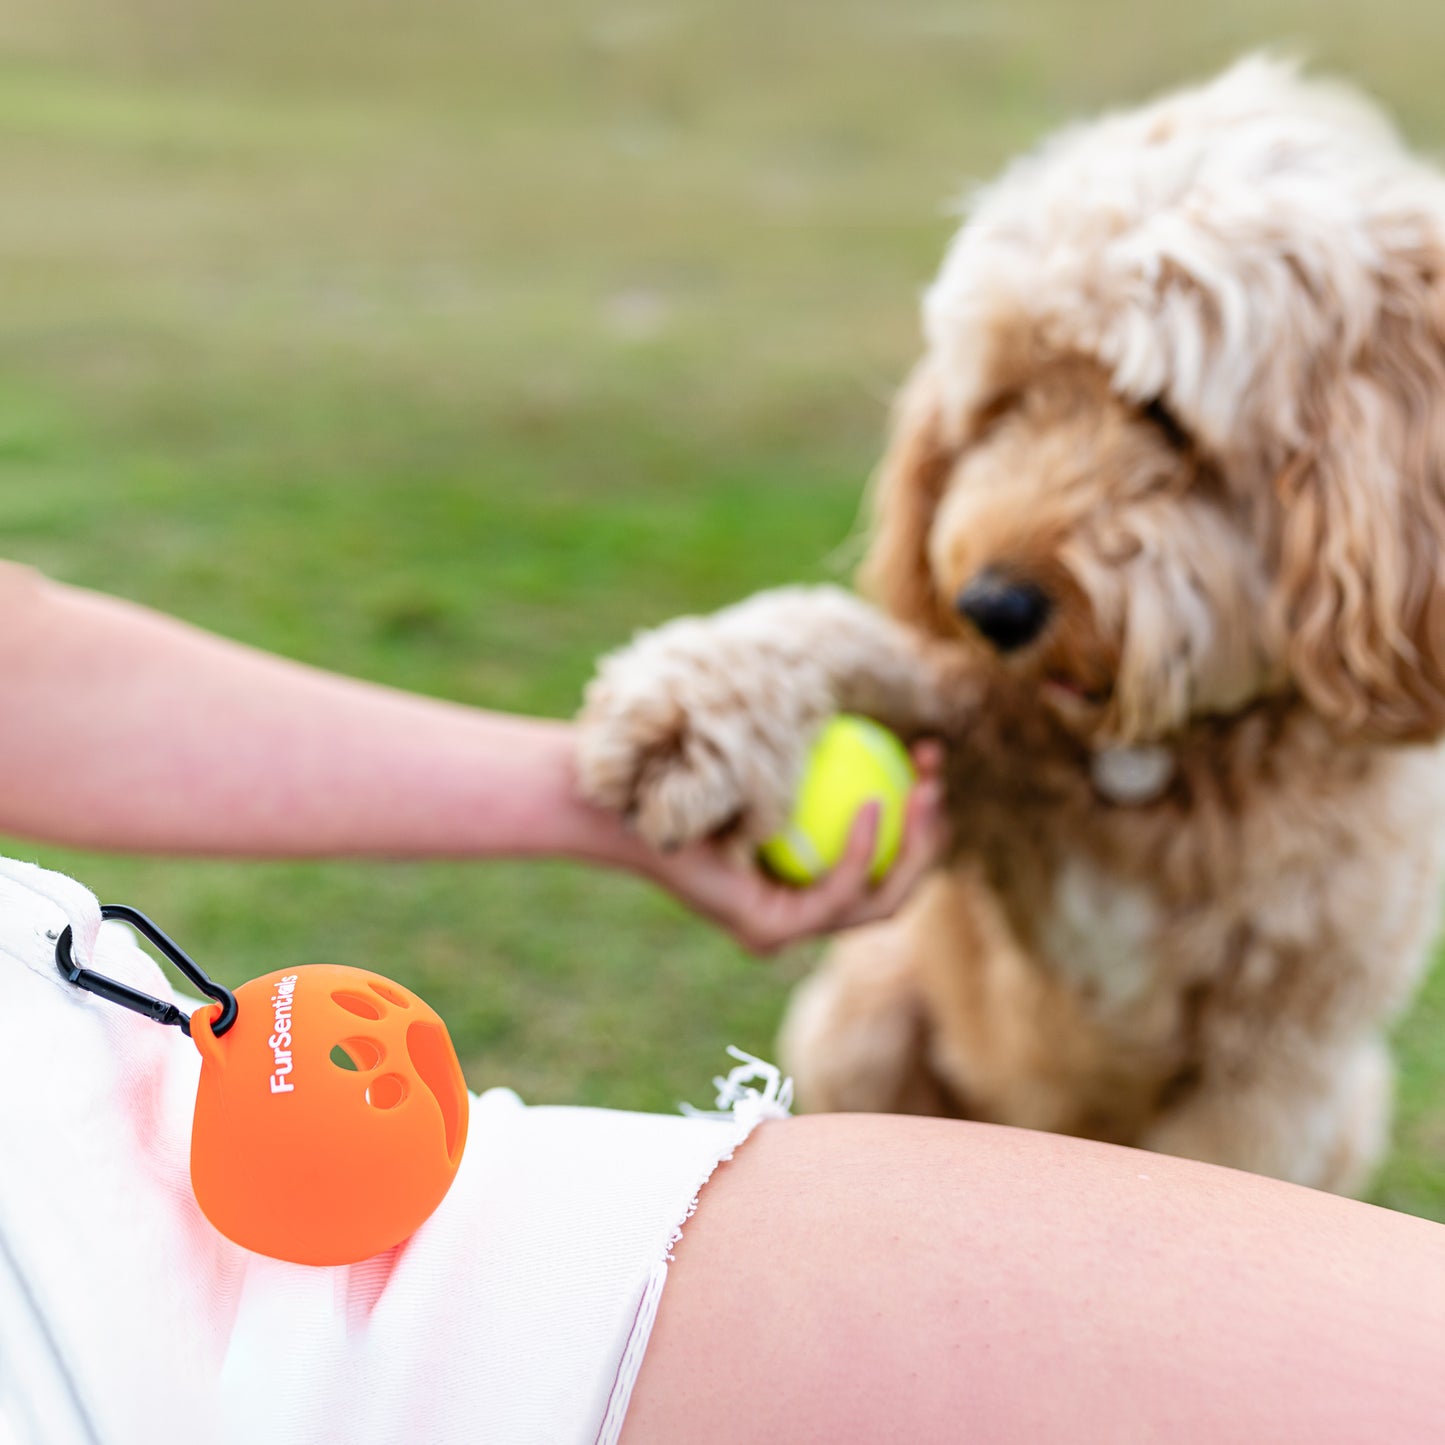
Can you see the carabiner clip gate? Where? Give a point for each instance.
(142, 1003)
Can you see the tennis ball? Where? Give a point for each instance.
(852, 762)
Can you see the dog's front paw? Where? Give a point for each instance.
(697, 728)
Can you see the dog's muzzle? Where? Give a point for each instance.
(1007, 612)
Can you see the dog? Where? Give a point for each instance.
(1157, 553)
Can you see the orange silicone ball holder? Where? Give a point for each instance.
(331, 1113)
(330, 1118)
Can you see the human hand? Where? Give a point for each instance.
(765, 915)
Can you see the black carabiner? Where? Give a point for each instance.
(133, 999)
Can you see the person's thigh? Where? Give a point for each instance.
(875, 1278)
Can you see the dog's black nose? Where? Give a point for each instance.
(1009, 613)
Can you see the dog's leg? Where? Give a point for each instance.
(1321, 1121)
(856, 1034)
(702, 725)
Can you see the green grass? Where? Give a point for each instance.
(446, 343)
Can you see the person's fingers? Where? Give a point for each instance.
(785, 915)
(767, 916)
(925, 831)
(927, 755)
(844, 884)
(925, 825)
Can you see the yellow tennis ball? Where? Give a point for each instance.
(853, 761)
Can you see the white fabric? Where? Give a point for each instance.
(518, 1313)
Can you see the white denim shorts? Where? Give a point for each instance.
(519, 1312)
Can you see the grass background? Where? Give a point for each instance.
(447, 343)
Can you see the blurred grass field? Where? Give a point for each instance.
(447, 343)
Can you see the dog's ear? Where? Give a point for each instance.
(1360, 595)
(906, 491)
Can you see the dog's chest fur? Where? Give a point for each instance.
(1100, 933)
(1270, 857)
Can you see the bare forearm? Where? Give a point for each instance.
(123, 729)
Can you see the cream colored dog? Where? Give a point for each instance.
(1158, 553)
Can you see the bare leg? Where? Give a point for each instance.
(875, 1278)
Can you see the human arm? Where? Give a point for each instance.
(126, 730)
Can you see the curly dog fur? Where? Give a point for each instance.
(1184, 383)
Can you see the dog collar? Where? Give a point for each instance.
(1131, 776)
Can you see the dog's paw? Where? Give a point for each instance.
(700, 727)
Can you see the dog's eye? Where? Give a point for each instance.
(1159, 415)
